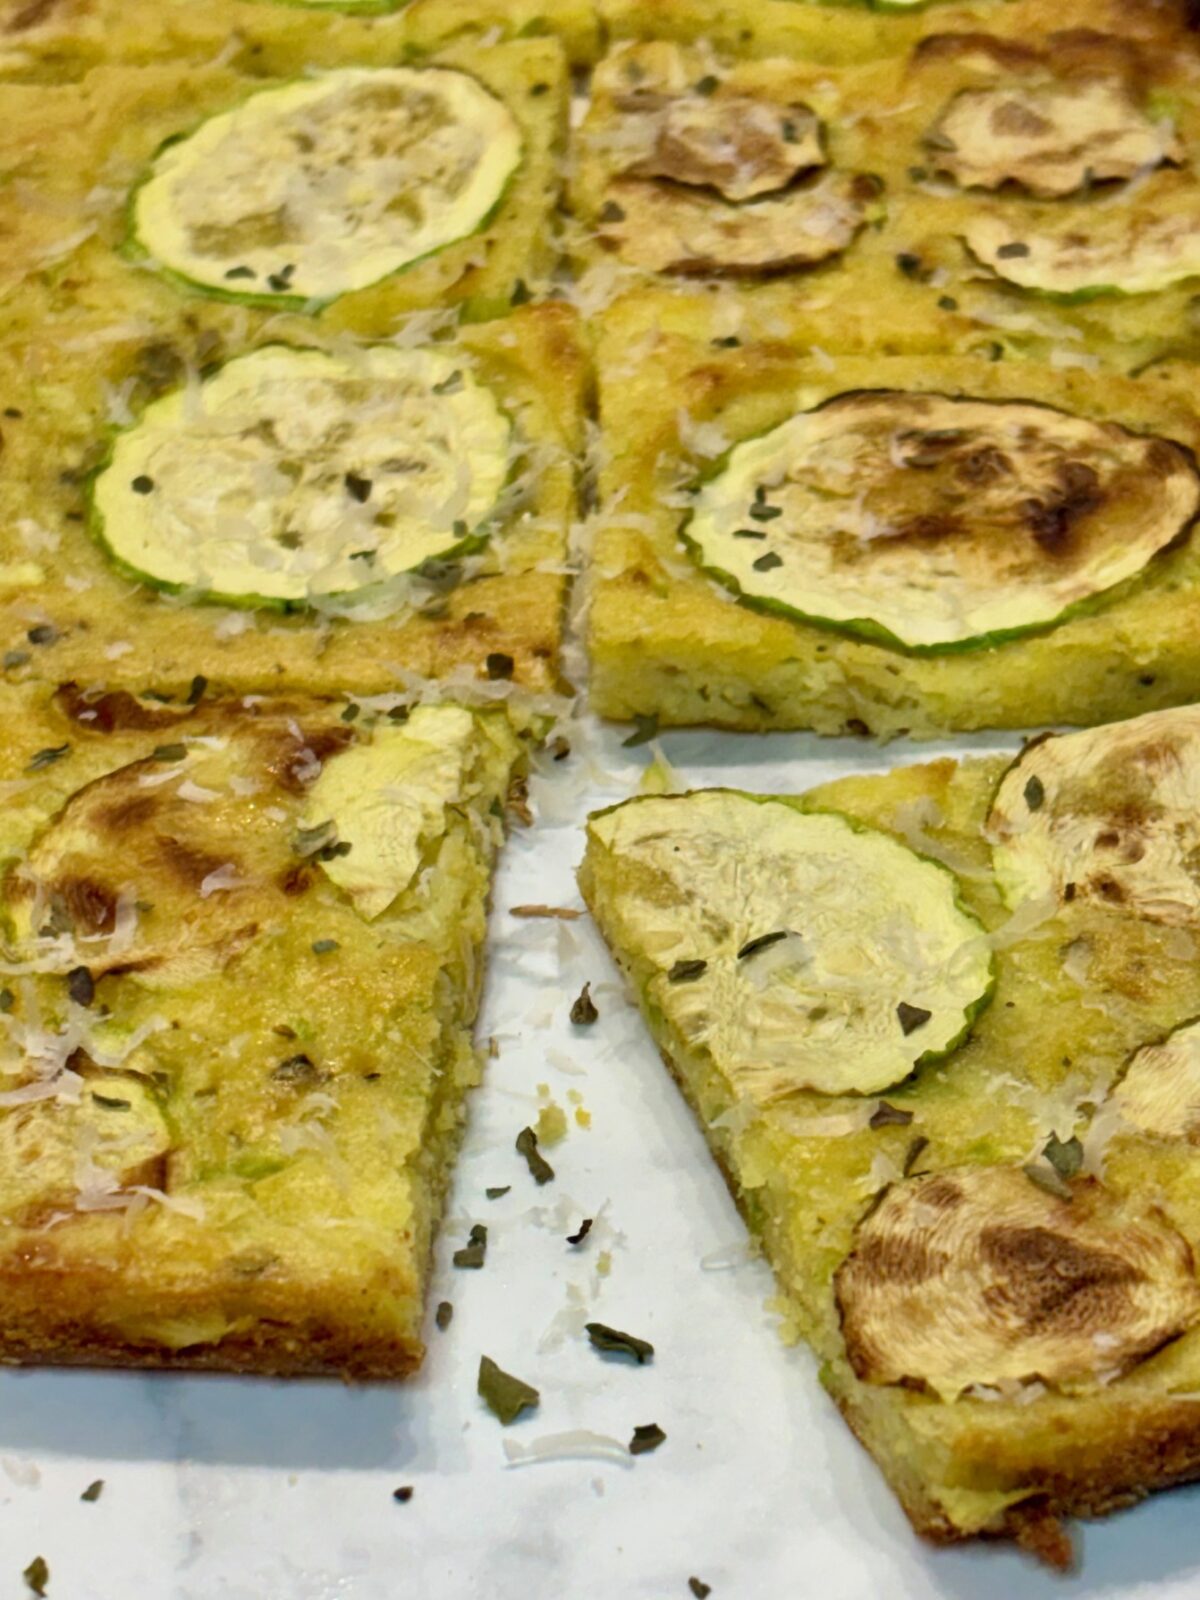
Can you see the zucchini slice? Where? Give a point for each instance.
(740, 145)
(1050, 139)
(304, 192)
(1109, 815)
(1094, 252)
(796, 950)
(663, 228)
(978, 1275)
(380, 806)
(1159, 1093)
(292, 474)
(929, 524)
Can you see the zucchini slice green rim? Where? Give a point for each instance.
(865, 628)
(972, 1009)
(285, 279)
(465, 537)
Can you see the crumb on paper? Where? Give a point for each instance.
(551, 1125)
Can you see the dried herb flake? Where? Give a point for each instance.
(474, 1251)
(81, 986)
(585, 1227)
(444, 1315)
(539, 1167)
(403, 1494)
(1035, 793)
(644, 729)
(499, 666)
(699, 1588)
(763, 942)
(647, 1436)
(498, 1191)
(914, 1152)
(767, 562)
(169, 752)
(583, 1012)
(505, 1396)
(889, 1116)
(687, 971)
(37, 1575)
(1065, 1156)
(47, 757)
(911, 1017)
(93, 1491)
(1046, 1178)
(324, 947)
(618, 1343)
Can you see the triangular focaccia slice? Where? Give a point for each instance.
(239, 958)
(962, 1125)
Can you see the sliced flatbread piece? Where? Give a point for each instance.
(993, 1260)
(235, 1041)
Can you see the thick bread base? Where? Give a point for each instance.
(1164, 1454)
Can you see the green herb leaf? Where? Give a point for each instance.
(1065, 1156)
(583, 1012)
(644, 729)
(473, 1252)
(47, 757)
(914, 1152)
(626, 1344)
(911, 1017)
(93, 1491)
(540, 1168)
(1046, 1178)
(505, 1396)
(687, 971)
(647, 1436)
(763, 942)
(311, 841)
(889, 1116)
(81, 986)
(444, 1315)
(37, 1575)
(110, 1102)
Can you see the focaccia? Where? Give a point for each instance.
(939, 1027)
(240, 962)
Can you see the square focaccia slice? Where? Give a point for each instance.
(976, 192)
(883, 546)
(49, 41)
(956, 1095)
(241, 960)
(837, 33)
(304, 511)
(356, 189)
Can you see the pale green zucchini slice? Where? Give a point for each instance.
(1051, 139)
(304, 192)
(1094, 251)
(380, 806)
(931, 524)
(292, 475)
(1109, 815)
(794, 950)
(978, 1275)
